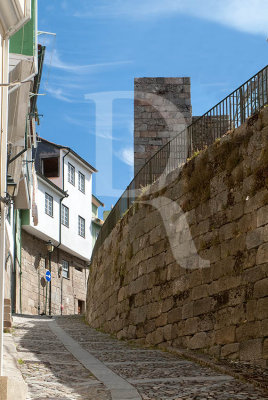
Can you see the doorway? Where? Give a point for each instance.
(81, 307)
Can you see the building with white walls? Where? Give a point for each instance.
(21, 68)
(61, 212)
(14, 14)
(64, 182)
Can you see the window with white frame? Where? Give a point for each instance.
(81, 182)
(65, 269)
(48, 204)
(81, 226)
(65, 215)
(71, 174)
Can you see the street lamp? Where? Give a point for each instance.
(50, 248)
(11, 187)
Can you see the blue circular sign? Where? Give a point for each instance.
(48, 275)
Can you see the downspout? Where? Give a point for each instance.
(14, 299)
(39, 290)
(62, 197)
(20, 273)
(61, 286)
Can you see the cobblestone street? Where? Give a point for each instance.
(62, 358)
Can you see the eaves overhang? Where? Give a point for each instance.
(53, 186)
(71, 151)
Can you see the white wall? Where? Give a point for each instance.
(79, 204)
(46, 224)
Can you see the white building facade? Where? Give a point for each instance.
(63, 201)
(61, 213)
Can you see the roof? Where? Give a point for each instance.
(72, 152)
(97, 201)
(51, 184)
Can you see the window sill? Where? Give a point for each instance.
(51, 216)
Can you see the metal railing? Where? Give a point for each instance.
(228, 114)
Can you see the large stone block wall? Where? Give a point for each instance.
(162, 108)
(188, 264)
(34, 289)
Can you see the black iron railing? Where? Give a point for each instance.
(228, 114)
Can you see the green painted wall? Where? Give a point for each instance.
(18, 234)
(94, 211)
(24, 41)
(95, 231)
(25, 217)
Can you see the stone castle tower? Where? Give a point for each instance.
(162, 109)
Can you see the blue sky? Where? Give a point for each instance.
(101, 45)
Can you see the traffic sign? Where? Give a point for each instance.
(48, 275)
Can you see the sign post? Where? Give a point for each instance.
(48, 275)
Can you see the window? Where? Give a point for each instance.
(81, 182)
(65, 269)
(50, 167)
(65, 215)
(48, 204)
(71, 174)
(81, 226)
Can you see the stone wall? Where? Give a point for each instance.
(35, 290)
(188, 264)
(162, 108)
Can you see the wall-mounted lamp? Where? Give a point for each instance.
(50, 246)
(11, 187)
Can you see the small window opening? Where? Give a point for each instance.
(51, 167)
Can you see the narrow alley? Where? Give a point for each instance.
(62, 358)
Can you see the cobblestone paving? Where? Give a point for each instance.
(53, 373)
(50, 371)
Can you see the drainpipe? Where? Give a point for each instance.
(62, 197)
(3, 179)
(61, 286)
(20, 270)
(14, 297)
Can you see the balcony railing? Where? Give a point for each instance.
(228, 114)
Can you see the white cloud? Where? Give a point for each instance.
(55, 61)
(58, 94)
(82, 123)
(245, 15)
(126, 155)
